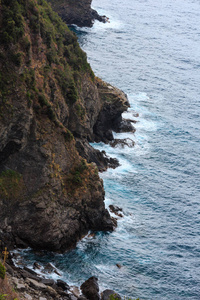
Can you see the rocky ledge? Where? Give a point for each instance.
(26, 284)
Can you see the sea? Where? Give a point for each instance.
(151, 50)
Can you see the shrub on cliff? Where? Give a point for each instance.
(2, 271)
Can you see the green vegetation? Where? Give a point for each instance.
(75, 176)
(12, 28)
(36, 49)
(80, 110)
(2, 271)
(68, 135)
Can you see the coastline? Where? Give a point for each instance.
(111, 104)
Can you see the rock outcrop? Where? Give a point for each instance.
(77, 12)
(50, 104)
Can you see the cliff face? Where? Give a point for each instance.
(51, 104)
(77, 12)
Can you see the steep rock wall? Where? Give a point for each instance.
(49, 195)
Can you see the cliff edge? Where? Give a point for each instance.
(51, 105)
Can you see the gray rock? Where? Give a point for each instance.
(21, 287)
(72, 297)
(30, 271)
(36, 285)
(47, 281)
(27, 296)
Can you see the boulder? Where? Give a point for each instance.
(62, 284)
(90, 288)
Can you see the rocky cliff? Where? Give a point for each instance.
(77, 12)
(51, 105)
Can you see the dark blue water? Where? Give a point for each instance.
(151, 50)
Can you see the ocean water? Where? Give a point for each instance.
(151, 50)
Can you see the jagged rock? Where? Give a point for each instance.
(115, 102)
(90, 288)
(105, 295)
(122, 142)
(77, 12)
(93, 155)
(125, 126)
(115, 209)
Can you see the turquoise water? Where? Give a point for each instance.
(150, 49)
